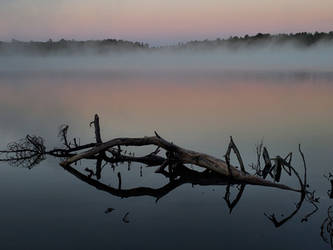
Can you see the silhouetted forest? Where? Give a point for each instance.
(69, 46)
(301, 39)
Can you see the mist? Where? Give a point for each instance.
(268, 58)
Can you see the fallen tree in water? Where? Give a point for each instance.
(174, 165)
(31, 150)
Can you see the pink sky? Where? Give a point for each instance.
(159, 22)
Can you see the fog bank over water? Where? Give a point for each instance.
(284, 58)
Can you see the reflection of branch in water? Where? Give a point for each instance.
(125, 218)
(232, 204)
(310, 197)
(278, 223)
(284, 164)
(109, 210)
(326, 229)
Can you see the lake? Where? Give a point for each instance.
(197, 107)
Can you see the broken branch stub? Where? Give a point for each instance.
(95, 122)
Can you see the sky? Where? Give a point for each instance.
(157, 21)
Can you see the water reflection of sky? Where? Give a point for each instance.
(196, 111)
(189, 109)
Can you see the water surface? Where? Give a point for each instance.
(47, 207)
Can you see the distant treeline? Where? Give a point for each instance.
(302, 39)
(69, 46)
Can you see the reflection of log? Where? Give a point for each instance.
(186, 176)
(125, 193)
(184, 156)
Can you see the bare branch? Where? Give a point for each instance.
(95, 122)
(63, 130)
(26, 152)
(232, 146)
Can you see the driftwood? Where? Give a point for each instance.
(175, 156)
(30, 151)
(178, 154)
(182, 155)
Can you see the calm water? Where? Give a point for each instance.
(49, 208)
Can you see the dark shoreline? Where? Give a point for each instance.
(301, 39)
